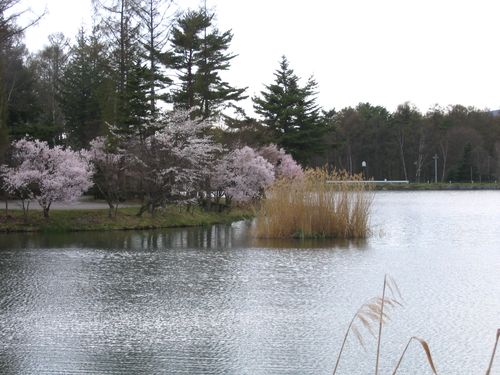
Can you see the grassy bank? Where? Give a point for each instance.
(439, 186)
(126, 219)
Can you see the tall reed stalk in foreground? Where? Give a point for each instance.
(426, 349)
(319, 205)
(488, 371)
(375, 313)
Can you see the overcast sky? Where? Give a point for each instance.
(384, 52)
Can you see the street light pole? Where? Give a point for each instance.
(435, 157)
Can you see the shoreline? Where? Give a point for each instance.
(81, 219)
(86, 220)
(455, 186)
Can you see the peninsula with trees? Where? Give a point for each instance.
(137, 108)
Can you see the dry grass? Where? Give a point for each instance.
(488, 371)
(425, 347)
(376, 313)
(320, 205)
(372, 314)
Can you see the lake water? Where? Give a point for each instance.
(215, 301)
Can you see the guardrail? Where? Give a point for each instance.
(369, 182)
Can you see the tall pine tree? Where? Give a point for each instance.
(12, 61)
(120, 20)
(85, 89)
(291, 112)
(154, 16)
(48, 66)
(22, 99)
(199, 55)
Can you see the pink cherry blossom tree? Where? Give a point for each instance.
(173, 163)
(284, 164)
(242, 175)
(110, 166)
(46, 174)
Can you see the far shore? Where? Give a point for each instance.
(439, 186)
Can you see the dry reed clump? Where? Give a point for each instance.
(321, 204)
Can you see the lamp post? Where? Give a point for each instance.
(363, 166)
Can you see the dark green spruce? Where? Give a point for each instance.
(291, 112)
(199, 54)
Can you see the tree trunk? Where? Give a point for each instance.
(402, 152)
(144, 208)
(420, 158)
(152, 61)
(26, 206)
(444, 154)
(110, 210)
(349, 158)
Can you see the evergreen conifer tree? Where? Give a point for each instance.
(122, 27)
(291, 112)
(48, 67)
(85, 88)
(199, 55)
(14, 77)
(155, 18)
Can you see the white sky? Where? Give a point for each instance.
(379, 51)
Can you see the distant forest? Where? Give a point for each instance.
(144, 57)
